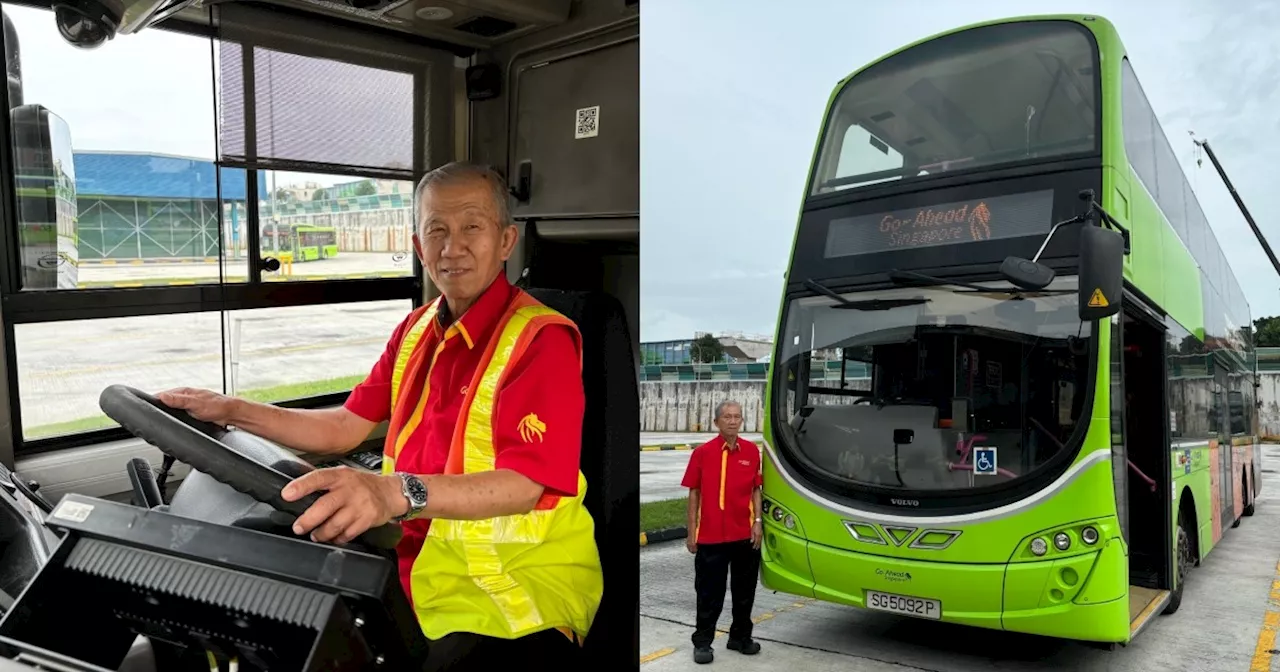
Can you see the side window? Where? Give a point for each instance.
(158, 210)
(1191, 387)
(1139, 134)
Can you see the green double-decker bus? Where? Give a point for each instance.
(1059, 419)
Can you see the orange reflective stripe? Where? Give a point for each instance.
(402, 437)
(457, 447)
(409, 341)
(408, 363)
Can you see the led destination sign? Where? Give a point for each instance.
(955, 223)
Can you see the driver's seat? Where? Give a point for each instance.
(610, 463)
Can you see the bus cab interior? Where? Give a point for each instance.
(169, 533)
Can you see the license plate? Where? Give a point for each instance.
(901, 604)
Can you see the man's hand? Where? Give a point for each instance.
(757, 533)
(691, 544)
(356, 501)
(204, 405)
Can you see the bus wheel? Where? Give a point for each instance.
(1185, 562)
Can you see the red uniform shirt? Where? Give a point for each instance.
(727, 477)
(546, 382)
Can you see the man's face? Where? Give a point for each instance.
(730, 420)
(459, 239)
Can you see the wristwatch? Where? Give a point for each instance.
(416, 492)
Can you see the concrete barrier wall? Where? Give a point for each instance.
(688, 406)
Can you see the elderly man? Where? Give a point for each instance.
(725, 528)
(483, 391)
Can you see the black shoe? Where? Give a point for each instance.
(703, 655)
(750, 647)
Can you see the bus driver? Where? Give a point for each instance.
(483, 392)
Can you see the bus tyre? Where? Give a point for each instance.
(1185, 562)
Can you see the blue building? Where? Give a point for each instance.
(156, 206)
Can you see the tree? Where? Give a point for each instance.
(706, 349)
(1266, 332)
(320, 195)
(365, 188)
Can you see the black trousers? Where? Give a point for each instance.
(548, 650)
(737, 563)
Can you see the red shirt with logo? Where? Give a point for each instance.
(727, 476)
(545, 382)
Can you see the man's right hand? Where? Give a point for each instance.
(691, 544)
(204, 405)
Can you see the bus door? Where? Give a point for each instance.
(1143, 497)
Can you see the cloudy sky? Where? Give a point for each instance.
(733, 93)
(147, 92)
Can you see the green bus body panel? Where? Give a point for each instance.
(987, 576)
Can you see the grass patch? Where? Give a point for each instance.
(264, 394)
(664, 514)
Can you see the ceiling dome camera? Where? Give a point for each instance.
(85, 23)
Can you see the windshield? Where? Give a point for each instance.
(912, 388)
(977, 98)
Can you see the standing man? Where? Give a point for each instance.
(725, 528)
(484, 394)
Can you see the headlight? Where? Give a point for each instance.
(1039, 546)
(1062, 541)
(1089, 535)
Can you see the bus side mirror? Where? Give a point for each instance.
(1101, 273)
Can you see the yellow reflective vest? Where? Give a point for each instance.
(508, 576)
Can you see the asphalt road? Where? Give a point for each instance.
(661, 471)
(344, 264)
(1220, 627)
(64, 366)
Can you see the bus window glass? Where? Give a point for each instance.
(283, 354)
(64, 366)
(117, 185)
(974, 99)
(334, 227)
(950, 370)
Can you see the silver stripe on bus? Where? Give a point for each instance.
(929, 521)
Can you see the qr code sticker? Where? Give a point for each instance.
(587, 123)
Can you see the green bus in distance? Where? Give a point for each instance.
(306, 243)
(1059, 418)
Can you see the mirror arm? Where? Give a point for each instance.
(1087, 195)
(1045, 243)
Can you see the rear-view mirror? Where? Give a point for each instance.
(1101, 272)
(1025, 273)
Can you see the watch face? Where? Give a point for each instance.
(417, 491)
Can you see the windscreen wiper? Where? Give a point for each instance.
(868, 304)
(921, 280)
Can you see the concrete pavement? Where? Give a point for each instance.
(1221, 627)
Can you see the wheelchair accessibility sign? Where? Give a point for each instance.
(984, 461)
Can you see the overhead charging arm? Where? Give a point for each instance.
(1243, 210)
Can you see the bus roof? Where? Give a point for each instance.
(1103, 30)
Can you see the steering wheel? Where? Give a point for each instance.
(253, 467)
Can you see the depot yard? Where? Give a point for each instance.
(1227, 622)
